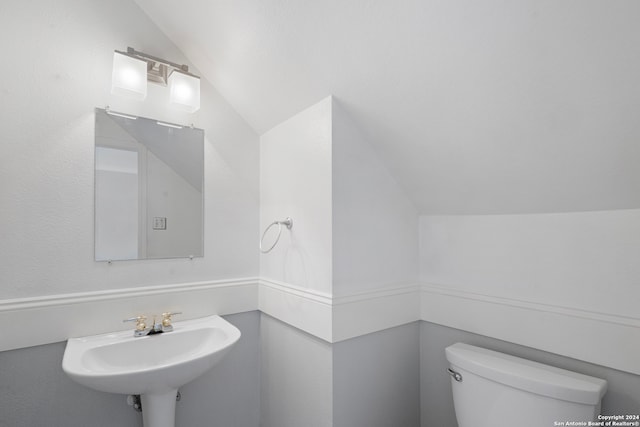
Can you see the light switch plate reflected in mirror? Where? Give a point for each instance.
(159, 223)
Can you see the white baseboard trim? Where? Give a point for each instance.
(48, 319)
(599, 338)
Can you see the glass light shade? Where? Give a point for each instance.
(129, 76)
(184, 91)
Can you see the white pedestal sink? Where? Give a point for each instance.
(154, 366)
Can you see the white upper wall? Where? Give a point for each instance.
(295, 181)
(488, 107)
(62, 56)
(557, 282)
(375, 225)
(586, 261)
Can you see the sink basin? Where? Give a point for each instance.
(154, 366)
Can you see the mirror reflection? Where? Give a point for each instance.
(149, 180)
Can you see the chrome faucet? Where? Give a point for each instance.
(156, 327)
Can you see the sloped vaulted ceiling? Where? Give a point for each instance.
(477, 107)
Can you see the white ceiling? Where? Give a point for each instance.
(478, 107)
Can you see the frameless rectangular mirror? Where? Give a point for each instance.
(149, 182)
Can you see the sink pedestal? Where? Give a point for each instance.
(159, 409)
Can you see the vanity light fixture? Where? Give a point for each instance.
(133, 69)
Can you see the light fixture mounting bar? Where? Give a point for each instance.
(158, 69)
(182, 67)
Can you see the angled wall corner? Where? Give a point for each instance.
(354, 235)
(347, 268)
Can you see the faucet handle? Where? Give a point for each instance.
(166, 320)
(140, 324)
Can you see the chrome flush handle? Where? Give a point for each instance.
(455, 375)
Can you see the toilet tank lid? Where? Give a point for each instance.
(527, 375)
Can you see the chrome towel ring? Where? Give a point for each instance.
(288, 222)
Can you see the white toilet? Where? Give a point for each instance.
(492, 389)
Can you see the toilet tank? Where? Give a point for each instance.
(492, 389)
